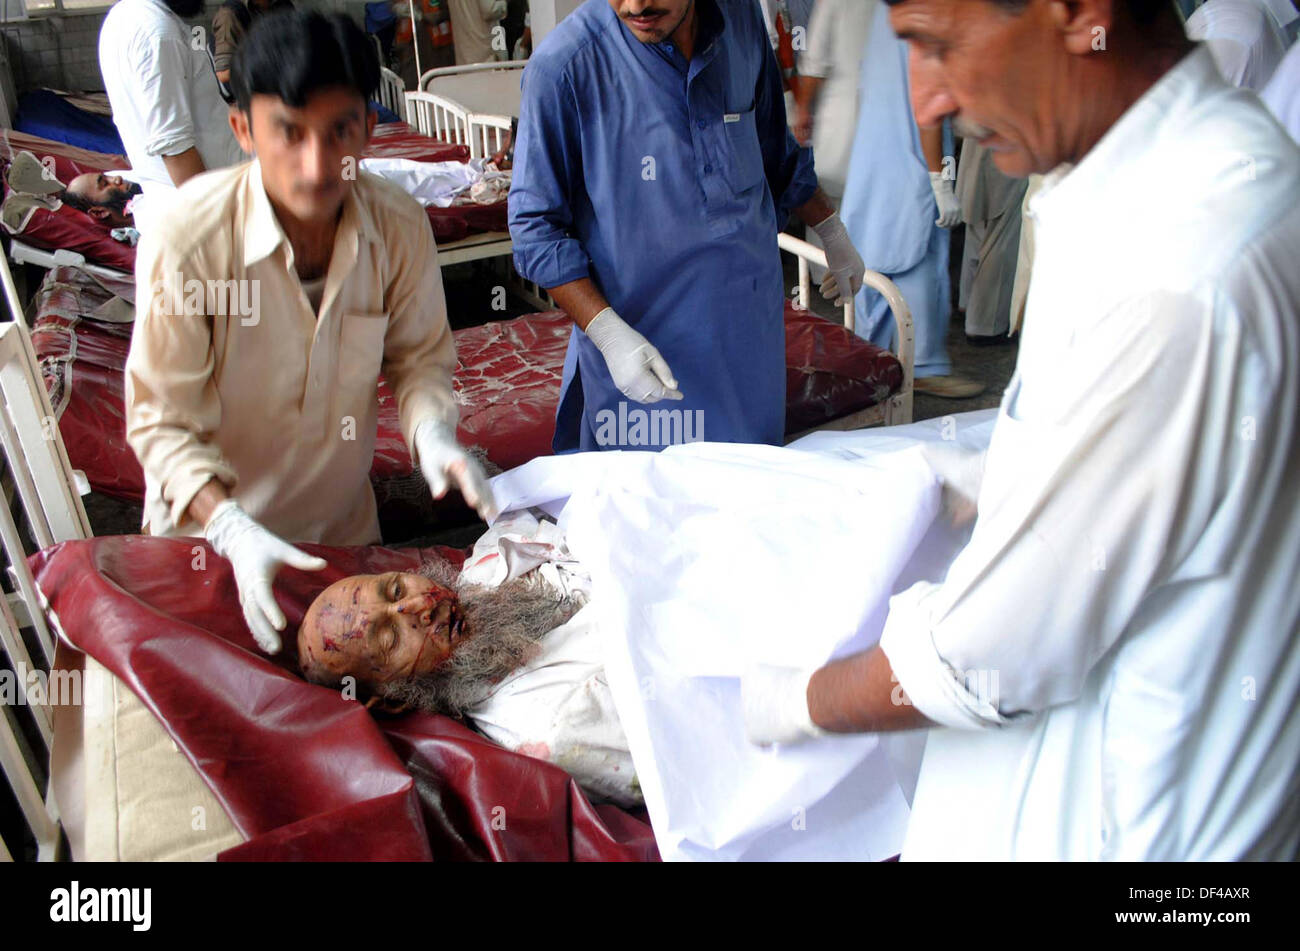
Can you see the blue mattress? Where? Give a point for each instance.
(45, 113)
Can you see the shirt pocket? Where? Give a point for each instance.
(361, 349)
(744, 159)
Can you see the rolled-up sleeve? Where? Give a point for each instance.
(172, 404)
(547, 175)
(1084, 509)
(419, 351)
(168, 125)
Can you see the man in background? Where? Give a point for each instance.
(473, 28)
(166, 103)
(230, 23)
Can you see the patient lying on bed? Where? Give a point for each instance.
(506, 644)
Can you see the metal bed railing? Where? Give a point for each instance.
(41, 508)
(438, 118)
(392, 91)
(898, 408)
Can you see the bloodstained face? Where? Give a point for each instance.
(380, 628)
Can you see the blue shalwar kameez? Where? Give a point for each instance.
(889, 207)
(663, 181)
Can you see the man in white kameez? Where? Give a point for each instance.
(1109, 668)
(827, 102)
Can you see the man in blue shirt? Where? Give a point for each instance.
(653, 169)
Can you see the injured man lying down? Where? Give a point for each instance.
(506, 644)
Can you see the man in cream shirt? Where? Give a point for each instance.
(270, 299)
(1130, 582)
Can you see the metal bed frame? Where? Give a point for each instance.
(392, 91)
(441, 117)
(896, 410)
(39, 481)
(483, 130)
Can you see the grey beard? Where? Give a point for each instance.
(504, 625)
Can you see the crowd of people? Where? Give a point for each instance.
(1126, 549)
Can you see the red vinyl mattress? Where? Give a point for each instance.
(302, 772)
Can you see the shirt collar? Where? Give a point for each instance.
(262, 231)
(1069, 187)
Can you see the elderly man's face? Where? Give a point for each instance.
(652, 21)
(1000, 74)
(378, 628)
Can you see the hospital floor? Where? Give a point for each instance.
(472, 299)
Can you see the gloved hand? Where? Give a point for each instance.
(961, 471)
(440, 457)
(775, 702)
(255, 555)
(844, 264)
(946, 199)
(639, 372)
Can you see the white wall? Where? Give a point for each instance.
(544, 14)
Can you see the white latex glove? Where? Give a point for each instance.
(775, 701)
(961, 471)
(844, 264)
(256, 555)
(946, 199)
(441, 458)
(639, 372)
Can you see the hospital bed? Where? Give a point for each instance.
(470, 105)
(432, 785)
(113, 759)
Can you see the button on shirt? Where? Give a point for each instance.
(232, 374)
(164, 96)
(664, 181)
(1115, 651)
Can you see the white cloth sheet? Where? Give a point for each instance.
(708, 558)
(435, 183)
(557, 707)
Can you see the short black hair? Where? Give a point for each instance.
(291, 54)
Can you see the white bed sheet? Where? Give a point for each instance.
(708, 558)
